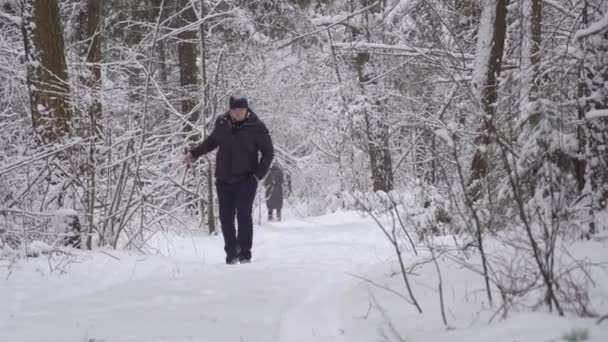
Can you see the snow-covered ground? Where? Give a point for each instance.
(302, 286)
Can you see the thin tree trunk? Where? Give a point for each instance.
(90, 32)
(543, 268)
(439, 285)
(134, 33)
(205, 108)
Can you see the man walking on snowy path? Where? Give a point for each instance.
(240, 136)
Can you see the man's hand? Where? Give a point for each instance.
(188, 159)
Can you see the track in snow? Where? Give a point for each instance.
(290, 292)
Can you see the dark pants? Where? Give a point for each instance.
(271, 211)
(237, 198)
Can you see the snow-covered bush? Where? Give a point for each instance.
(419, 207)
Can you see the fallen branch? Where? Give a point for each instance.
(110, 255)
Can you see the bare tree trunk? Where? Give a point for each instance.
(376, 130)
(496, 13)
(377, 133)
(595, 45)
(47, 71)
(206, 115)
(530, 55)
(162, 56)
(188, 71)
(90, 32)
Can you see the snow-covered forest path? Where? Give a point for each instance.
(291, 291)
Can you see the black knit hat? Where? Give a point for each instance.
(238, 102)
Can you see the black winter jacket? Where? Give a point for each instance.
(239, 145)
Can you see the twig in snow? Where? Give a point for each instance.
(110, 255)
(388, 320)
(439, 286)
(383, 287)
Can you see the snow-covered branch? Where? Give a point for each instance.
(402, 50)
(597, 114)
(11, 18)
(557, 6)
(593, 29)
(329, 23)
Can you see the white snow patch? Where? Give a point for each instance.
(66, 212)
(300, 287)
(63, 219)
(37, 248)
(445, 135)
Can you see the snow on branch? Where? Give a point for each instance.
(557, 6)
(12, 18)
(9, 168)
(329, 20)
(446, 136)
(597, 114)
(403, 50)
(594, 28)
(329, 23)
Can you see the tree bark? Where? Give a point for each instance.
(376, 130)
(488, 84)
(595, 68)
(188, 70)
(134, 32)
(90, 32)
(47, 71)
(206, 115)
(530, 56)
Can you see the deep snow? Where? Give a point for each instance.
(300, 287)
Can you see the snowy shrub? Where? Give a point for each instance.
(66, 225)
(576, 335)
(421, 208)
(36, 249)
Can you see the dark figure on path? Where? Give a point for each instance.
(274, 191)
(240, 136)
